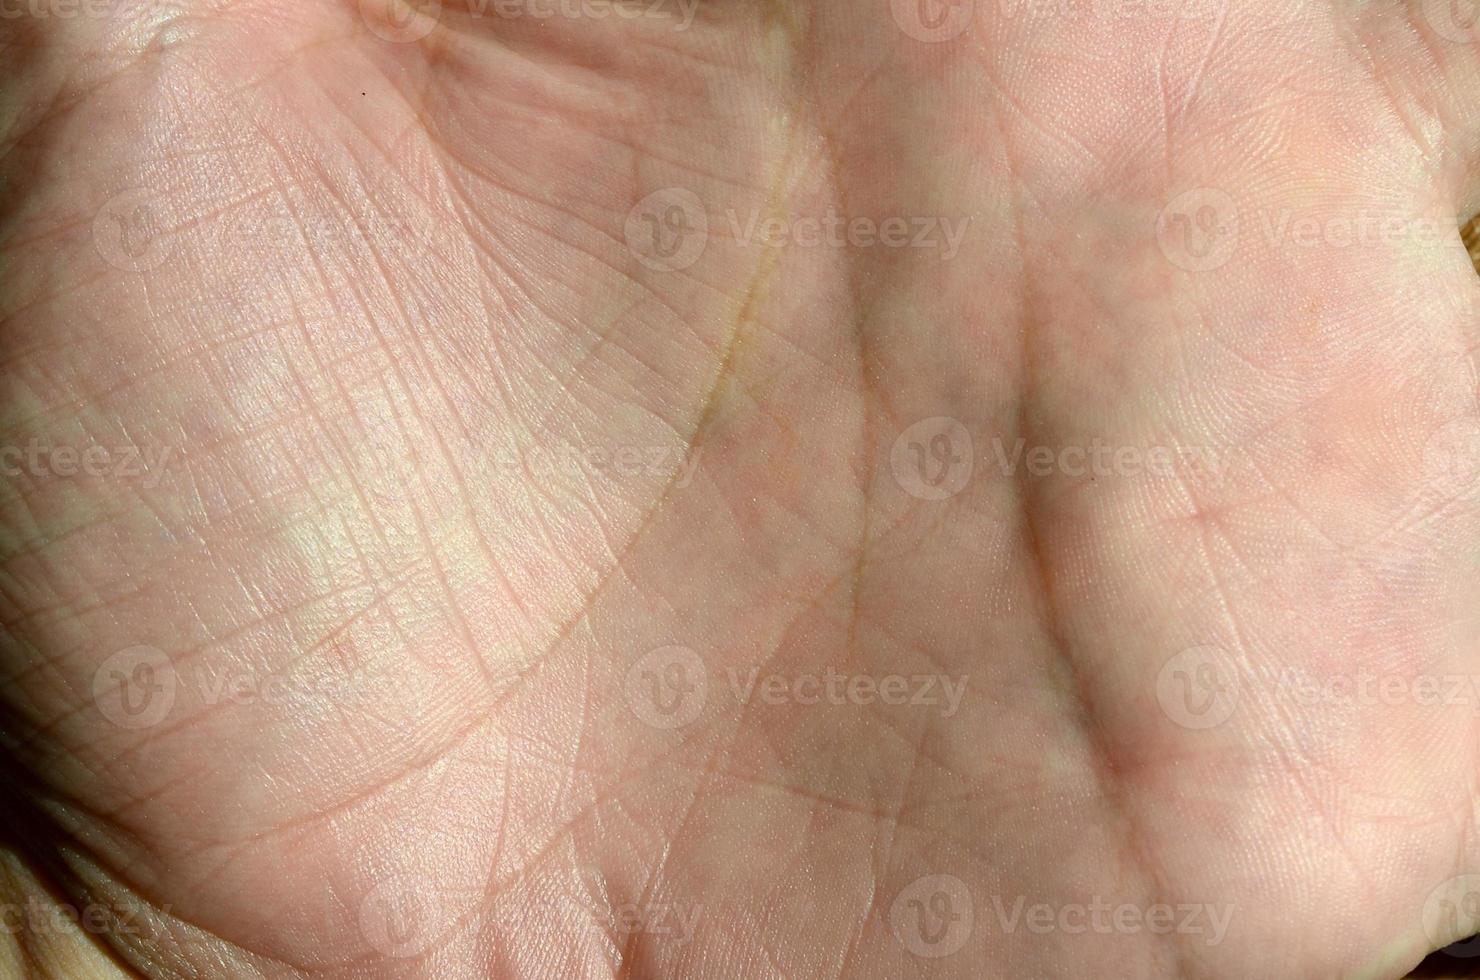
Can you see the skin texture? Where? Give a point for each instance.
(368, 294)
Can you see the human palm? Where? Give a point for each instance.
(747, 489)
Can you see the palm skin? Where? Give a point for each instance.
(368, 276)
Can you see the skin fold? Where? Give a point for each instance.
(746, 488)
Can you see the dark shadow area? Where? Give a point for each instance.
(1460, 960)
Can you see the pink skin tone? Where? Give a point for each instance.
(578, 532)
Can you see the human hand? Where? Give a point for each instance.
(749, 489)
